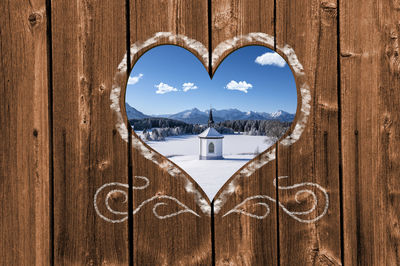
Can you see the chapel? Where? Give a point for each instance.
(210, 142)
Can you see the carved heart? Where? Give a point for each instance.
(262, 159)
(164, 103)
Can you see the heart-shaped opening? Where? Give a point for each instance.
(210, 127)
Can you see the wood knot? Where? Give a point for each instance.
(328, 6)
(225, 20)
(91, 260)
(396, 4)
(102, 88)
(238, 191)
(34, 19)
(117, 196)
(348, 54)
(103, 165)
(35, 133)
(83, 82)
(323, 257)
(387, 123)
(345, 54)
(393, 35)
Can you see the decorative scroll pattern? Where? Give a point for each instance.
(221, 49)
(295, 215)
(120, 188)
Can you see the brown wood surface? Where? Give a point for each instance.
(310, 28)
(184, 17)
(240, 239)
(243, 240)
(231, 18)
(24, 134)
(89, 41)
(369, 42)
(353, 123)
(184, 239)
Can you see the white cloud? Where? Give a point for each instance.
(273, 59)
(189, 86)
(135, 79)
(238, 86)
(164, 88)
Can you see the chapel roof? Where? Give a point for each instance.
(211, 133)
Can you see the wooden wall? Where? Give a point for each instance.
(78, 188)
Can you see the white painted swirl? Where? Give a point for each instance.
(122, 190)
(197, 47)
(294, 214)
(109, 194)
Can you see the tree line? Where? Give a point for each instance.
(270, 128)
(159, 128)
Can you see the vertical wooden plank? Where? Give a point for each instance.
(165, 232)
(238, 18)
(369, 40)
(310, 28)
(242, 239)
(89, 41)
(24, 134)
(178, 17)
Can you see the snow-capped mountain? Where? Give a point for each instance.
(193, 116)
(251, 115)
(227, 114)
(196, 116)
(282, 116)
(132, 113)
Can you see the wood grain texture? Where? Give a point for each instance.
(244, 240)
(240, 239)
(89, 41)
(183, 239)
(183, 17)
(369, 41)
(88, 44)
(310, 28)
(24, 134)
(232, 18)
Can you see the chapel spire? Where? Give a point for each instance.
(210, 119)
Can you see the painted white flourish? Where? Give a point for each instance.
(120, 188)
(220, 50)
(294, 214)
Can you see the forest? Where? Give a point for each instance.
(158, 128)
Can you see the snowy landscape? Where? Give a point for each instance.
(243, 135)
(210, 127)
(183, 150)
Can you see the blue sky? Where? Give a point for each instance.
(168, 79)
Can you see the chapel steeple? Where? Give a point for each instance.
(210, 119)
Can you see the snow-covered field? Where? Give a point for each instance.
(211, 174)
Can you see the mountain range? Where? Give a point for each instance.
(132, 113)
(195, 116)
